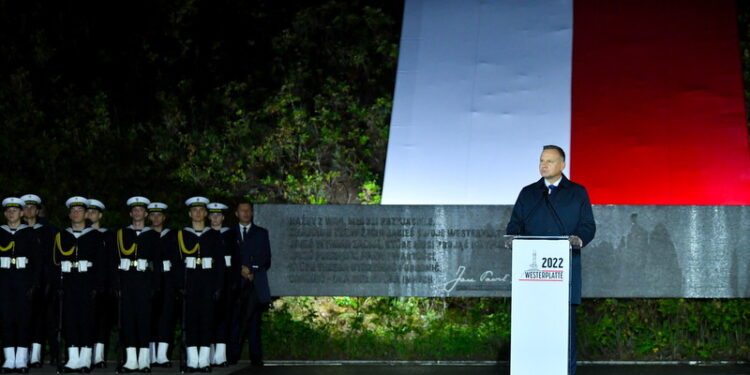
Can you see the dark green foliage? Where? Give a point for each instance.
(282, 101)
(479, 329)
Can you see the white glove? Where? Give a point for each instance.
(21, 262)
(190, 262)
(206, 263)
(166, 265)
(66, 266)
(142, 265)
(83, 266)
(4, 262)
(124, 264)
(228, 260)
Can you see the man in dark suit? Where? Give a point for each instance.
(255, 260)
(556, 206)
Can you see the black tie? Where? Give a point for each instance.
(244, 233)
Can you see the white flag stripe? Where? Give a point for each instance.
(481, 86)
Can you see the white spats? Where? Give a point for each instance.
(36, 353)
(203, 357)
(131, 359)
(192, 357)
(161, 353)
(22, 357)
(74, 358)
(144, 359)
(10, 358)
(220, 354)
(85, 357)
(98, 353)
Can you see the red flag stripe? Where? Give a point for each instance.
(657, 106)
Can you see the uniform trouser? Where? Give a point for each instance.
(38, 315)
(199, 309)
(78, 310)
(222, 316)
(250, 321)
(572, 341)
(234, 348)
(105, 314)
(136, 308)
(15, 312)
(52, 321)
(165, 310)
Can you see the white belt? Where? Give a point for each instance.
(18, 262)
(138, 264)
(81, 266)
(193, 262)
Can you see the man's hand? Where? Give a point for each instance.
(247, 274)
(576, 241)
(509, 242)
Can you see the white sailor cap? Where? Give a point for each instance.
(95, 203)
(77, 201)
(12, 202)
(217, 207)
(137, 201)
(31, 199)
(197, 201)
(156, 207)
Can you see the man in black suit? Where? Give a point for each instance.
(255, 260)
(556, 206)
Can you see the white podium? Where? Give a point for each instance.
(540, 306)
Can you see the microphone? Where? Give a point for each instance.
(558, 221)
(533, 209)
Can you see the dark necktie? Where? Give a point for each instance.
(552, 189)
(244, 233)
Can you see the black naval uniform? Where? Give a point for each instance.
(223, 310)
(164, 303)
(79, 284)
(43, 304)
(136, 287)
(17, 281)
(202, 285)
(106, 301)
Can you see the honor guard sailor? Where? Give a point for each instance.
(42, 302)
(222, 309)
(19, 275)
(203, 268)
(137, 248)
(105, 304)
(77, 253)
(163, 324)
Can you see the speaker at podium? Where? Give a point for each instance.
(540, 305)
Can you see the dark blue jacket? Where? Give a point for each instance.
(565, 212)
(255, 254)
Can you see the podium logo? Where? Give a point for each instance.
(551, 269)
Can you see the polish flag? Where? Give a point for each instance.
(645, 96)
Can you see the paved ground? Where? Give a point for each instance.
(464, 369)
(489, 370)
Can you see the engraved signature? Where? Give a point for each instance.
(485, 277)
